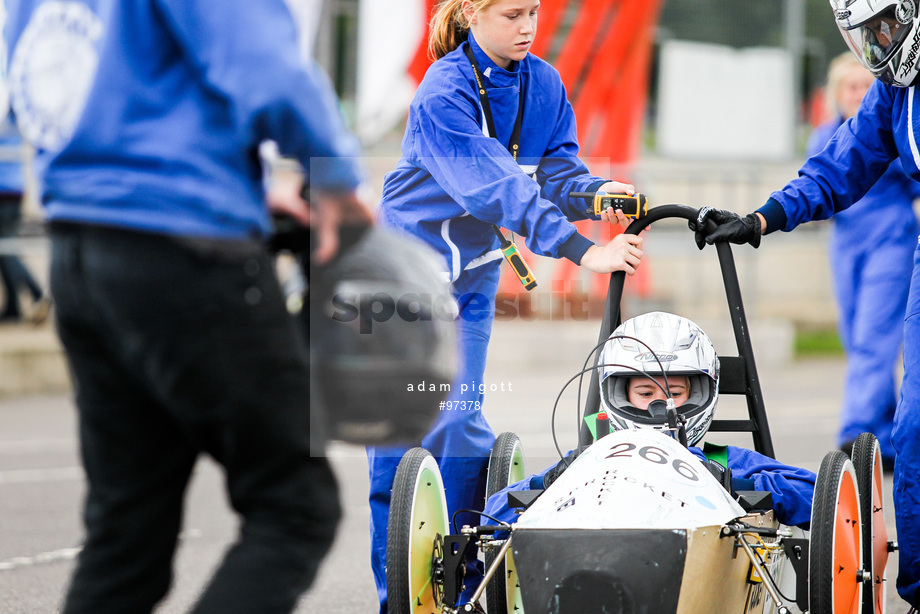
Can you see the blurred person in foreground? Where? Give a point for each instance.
(885, 36)
(147, 116)
(871, 264)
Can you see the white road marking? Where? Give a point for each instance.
(31, 446)
(26, 476)
(64, 554)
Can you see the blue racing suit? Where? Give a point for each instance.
(792, 488)
(885, 128)
(871, 265)
(452, 183)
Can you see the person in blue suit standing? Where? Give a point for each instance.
(871, 264)
(885, 36)
(147, 116)
(490, 143)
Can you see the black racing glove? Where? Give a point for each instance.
(550, 476)
(730, 227)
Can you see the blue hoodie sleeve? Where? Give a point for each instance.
(792, 488)
(840, 174)
(251, 59)
(480, 175)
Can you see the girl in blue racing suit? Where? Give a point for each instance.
(503, 154)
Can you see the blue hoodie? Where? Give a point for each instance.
(147, 114)
(888, 203)
(454, 180)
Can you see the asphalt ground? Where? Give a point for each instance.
(41, 482)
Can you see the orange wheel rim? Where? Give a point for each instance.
(847, 547)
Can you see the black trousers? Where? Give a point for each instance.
(179, 348)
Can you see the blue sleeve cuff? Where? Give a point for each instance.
(774, 214)
(579, 205)
(594, 187)
(575, 247)
(335, 174)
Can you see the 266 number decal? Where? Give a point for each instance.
(656, 456)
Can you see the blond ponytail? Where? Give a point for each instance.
(449, 27)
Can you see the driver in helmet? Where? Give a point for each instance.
(885, 37)
(657, 352)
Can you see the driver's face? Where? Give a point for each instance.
(643, 390)
(884, 29)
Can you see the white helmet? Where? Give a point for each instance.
(672, 346)
(884, 36)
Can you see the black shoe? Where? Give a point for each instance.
(39, 310)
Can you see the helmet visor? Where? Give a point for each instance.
(877, 39)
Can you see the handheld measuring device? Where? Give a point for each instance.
(514, 258)
(634, 206)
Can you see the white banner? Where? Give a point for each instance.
(389, 33)
(724, 103)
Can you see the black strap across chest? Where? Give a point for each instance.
(514, 144)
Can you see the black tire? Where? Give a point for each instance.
(506, 466)
(416, 527)
(835, 552)
(867, 461)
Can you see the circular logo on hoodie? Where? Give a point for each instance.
(52, 69)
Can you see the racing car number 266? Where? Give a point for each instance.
(656, 456)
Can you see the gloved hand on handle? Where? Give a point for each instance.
(729, 227)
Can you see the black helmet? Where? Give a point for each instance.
(383, 354)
